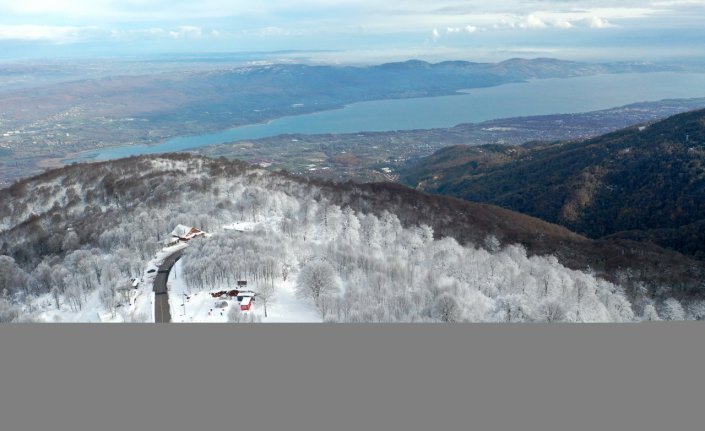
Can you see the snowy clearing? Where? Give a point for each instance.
(200, 306)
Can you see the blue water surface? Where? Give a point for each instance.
(536, 97)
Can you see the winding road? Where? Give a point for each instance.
(162, 314)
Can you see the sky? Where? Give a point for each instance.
(349, 31)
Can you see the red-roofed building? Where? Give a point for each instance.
(185, 233)
(246, 303)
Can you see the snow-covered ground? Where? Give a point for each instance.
(199, 306)
(242, 226)
(186, 304)
(190, 305)
(287, 307)
(43, 309)
(140, 308)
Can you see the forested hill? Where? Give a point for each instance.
(644, 182)
(88, 226)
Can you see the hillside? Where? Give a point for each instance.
(643, 183)
(71, 238)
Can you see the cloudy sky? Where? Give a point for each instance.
(357, 30)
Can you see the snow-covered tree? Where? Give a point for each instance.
(317, 279)
(446, 308)
(70, 242)
(73, 295)
(356, 260)
(12, 277)
(650, 313)
(672, 310)
(8, 312)
(696, 310)
(551, 311)
(266, 294)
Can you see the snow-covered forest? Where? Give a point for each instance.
(361, 268)
(83, 241)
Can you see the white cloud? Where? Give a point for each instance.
(187, 19)
(186, 32)
(435, 34)
(57, 34)
(143, 33)
(598, 22)
(532, 21)
(595, 19)
(469, 29)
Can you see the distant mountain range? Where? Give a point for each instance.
(242, 93)
(645, 182)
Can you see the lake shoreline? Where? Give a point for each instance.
(468, 106)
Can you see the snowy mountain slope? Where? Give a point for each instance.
(340, 251)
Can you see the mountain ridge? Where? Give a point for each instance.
(74, 240)
(35, 221)
(642, 182)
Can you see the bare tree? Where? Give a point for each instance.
(266, 294)
(650, 313)
(492, 244)
(8, 312)
(107, 296)
(446, 308)
(286, 268)
(42, 278)
(552, 311)
(12, 277)
(56, 294)
(672, 310)
(73, 294)
(317, 279)
(70, 242)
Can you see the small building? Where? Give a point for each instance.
(246, 298)
(185, 233)
(246, 303)
(192, 233)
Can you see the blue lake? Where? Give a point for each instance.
(537, 97)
